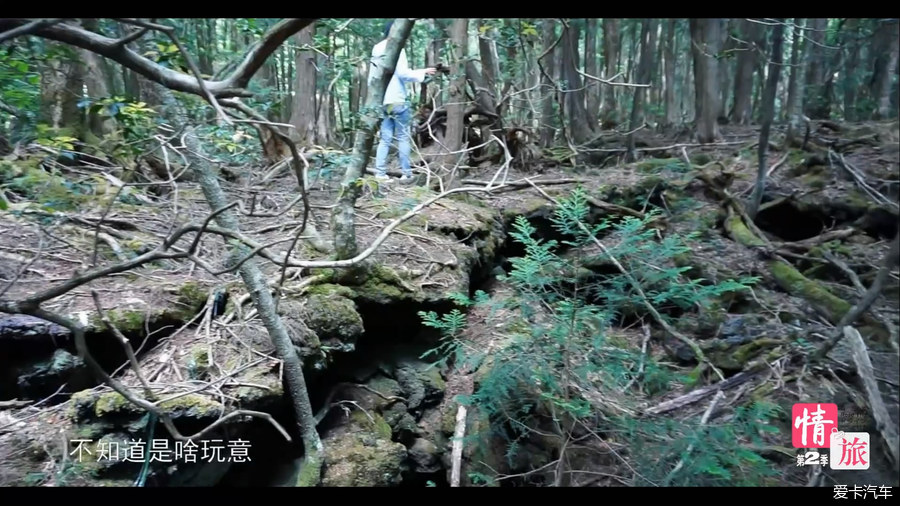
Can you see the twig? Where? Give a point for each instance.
(883, 421)
(14, 403)
(457, 450)
(125, 344)
(29, 28)
(690, 448)
(696, 395)
(891, 259)
(640, 371)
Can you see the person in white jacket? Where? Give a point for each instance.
(396, 110)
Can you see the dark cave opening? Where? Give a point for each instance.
(790, 223)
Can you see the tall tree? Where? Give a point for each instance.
(548, 63)
(573, 94)
(793, 110)
(590, 68)
(303, 101)
(816, 100)
(611, 54)
(648, 41)
(749, 49)
(672, 111)
(851, 80)
(887, 38)
(457, 32)
(768, 115)
(705, 40)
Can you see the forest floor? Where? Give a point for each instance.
(818, 216)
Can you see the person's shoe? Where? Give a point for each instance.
(404, 179)
(382, 177)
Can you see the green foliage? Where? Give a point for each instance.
(559, 353)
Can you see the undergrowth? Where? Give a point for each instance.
(559, 366)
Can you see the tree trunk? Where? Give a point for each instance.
(648, 41)
(705, 38)
(342, 218)
(887, 38)
(256, 284)
(747, 59)
(490, 64)
(794, 91)
(794, 101)
(453, 141)
(608, 113)
(672, 112)
(728, 45)
(573, 101)
(851, 69)
(96, 82)
(590, 68)
(768, 115)
(815, 70)
(303, 103)
(548, 63)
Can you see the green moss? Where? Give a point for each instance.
(329, 289)
(192, 405)
(431, 377)
(198, 364)
(735, 226)
(383, 285)
(310, 472)
(655, 165)
(192, 296)
(128, 321)
(333, 317)
(736, 358)
(362, 459)
(380, 425)
(113, 403)
(796, 284)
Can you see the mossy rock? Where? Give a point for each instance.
(113, 408)
(192, 297)
(362, 454)
(731, 358)
(333, 319)
(656, 165)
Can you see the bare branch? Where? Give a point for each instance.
(125, 344)
(29, 28)
(232, 86)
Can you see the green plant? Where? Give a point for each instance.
(556, 365)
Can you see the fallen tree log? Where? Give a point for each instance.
(832, 307)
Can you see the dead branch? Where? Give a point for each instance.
(14, 404)
(891, 260)
(861, 180)
(806, 244)
(883, 421)
(29, 28)
(700, 393)
(231, 86)
(457, 449)
(124, 342)
(690, 448)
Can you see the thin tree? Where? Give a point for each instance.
(768, 114)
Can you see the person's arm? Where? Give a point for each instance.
(407, 74)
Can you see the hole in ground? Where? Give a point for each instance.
(789, 223)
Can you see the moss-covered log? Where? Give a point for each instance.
(790, 279)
